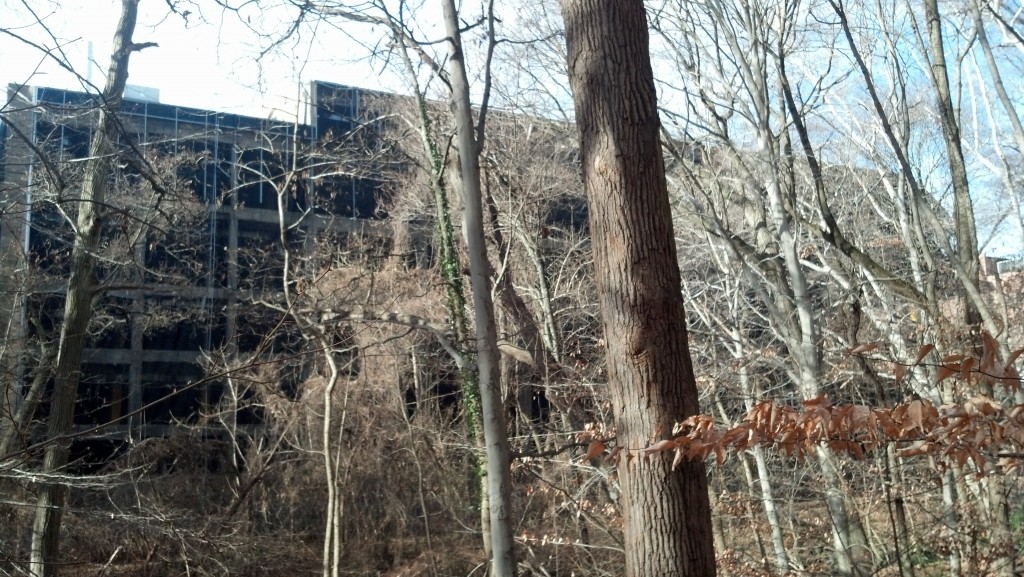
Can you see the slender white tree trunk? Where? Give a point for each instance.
(497, 450)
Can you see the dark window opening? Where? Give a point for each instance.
(102, 394)
(260, 172)
(110, 324)
(166, 385)
(570, 213)
(336, 110)
(184, 335)
(347, 196)
(50, 241)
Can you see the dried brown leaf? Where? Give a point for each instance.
(946, 371)
(900, 371)
(864, 348)
(990, 350)
(923, 352)
(594, 450)
(660, 446)
(966, 368)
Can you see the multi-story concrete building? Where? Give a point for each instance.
(234, 166)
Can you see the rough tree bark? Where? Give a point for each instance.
(78, 308)
(666, 512)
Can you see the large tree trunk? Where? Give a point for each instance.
(78, 302)
(667, 517)
(498, 452)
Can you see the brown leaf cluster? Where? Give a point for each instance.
(980, 430)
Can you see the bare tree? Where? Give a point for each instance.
(79, 298)
(470, 145)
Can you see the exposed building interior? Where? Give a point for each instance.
(249, 178)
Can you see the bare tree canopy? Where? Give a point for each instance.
(582, 288)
